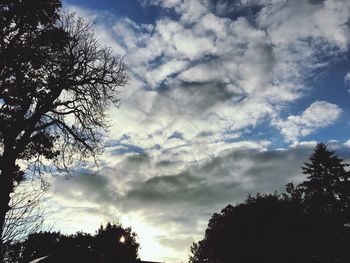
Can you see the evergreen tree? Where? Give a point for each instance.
(327, 188)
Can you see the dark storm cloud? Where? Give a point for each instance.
(316, 1)
(164, 191)
(194, 98)
(223, 179)
(206, 95)
(89, 187)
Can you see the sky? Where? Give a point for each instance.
(225, 98)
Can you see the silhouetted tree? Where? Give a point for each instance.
(56, 83)
(38, 245)
(270, 228)
(327, 188)
(263, 229)
(112, 243)
(303, 225)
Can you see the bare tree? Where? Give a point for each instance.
(56, 83)
(25, 216)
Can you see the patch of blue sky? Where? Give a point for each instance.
(157, 147)
(162, 86)
(330, 87)
(154, 63)
(236, 9)
(176, 135)
(113, 143)
(121, 8)
(127, 148)
(327, 84)
(83, 171)
(263, 131)
(339, 131)
(121, 146)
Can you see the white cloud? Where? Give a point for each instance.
(347, 78)
(161, 73)
(347, 81)
(347, 143)
(318, 115)
(245, 62)
(299, 20)
(192, 47)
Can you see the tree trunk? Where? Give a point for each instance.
(7, 169)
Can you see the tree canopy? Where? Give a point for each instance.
(304, 225)
(111, 243)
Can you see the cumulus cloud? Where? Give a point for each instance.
(257, 59)
(323, 21)
(319, 114)
(235, 71)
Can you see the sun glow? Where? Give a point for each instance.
(147, 235)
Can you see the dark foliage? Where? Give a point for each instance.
(308, 224)
(111, 243)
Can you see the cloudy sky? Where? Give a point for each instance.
(225, 98)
